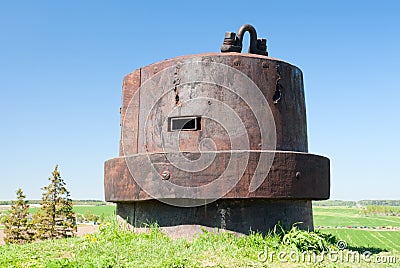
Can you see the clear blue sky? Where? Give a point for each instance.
(62, 65)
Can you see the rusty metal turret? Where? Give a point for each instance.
(216, 140)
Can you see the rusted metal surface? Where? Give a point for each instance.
(289, 114)
(150, 93)
(292, 176)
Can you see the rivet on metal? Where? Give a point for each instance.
(298, 174)
(165, 175)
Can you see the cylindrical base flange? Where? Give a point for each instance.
(237, 215)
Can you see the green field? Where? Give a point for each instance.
(107, 210)
(338, 220)
(368, 239)
(343, 217)
(96, 210)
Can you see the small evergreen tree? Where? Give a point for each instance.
(18, 229)
(55, 218)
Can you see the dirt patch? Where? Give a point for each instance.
(82, 230)
(87, 229)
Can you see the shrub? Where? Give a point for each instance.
(18, 229)
(55, 218)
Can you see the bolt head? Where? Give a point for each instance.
(165, 175)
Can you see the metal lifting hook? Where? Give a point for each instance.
(233, 42)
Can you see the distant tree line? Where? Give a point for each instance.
(89, 202)
(7, 203)
(74, 202)
(54, 219)
(373, 210)
(340, 203)
(379, 202)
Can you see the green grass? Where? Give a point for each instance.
(371, 239)
(374, 240)
(96, 210)
(114, 247)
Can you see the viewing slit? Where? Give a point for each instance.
(187, 123)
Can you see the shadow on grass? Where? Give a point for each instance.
(373, 250)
